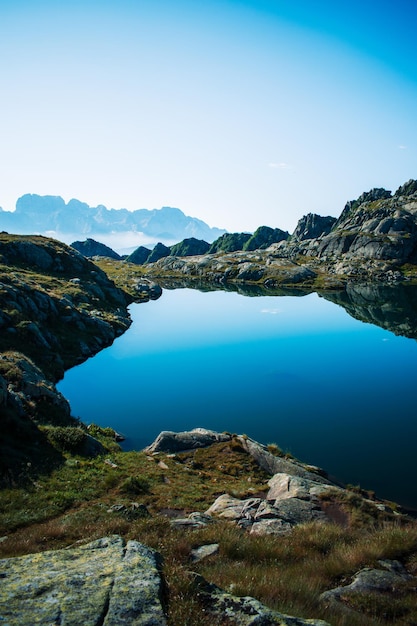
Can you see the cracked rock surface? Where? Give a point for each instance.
(103, 583)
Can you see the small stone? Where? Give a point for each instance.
(204, 551)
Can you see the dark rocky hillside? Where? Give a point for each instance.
(56, 310)
(90, 248)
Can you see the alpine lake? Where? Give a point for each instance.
(330, 378)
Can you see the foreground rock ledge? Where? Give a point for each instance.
(110, 583)
(104, 582)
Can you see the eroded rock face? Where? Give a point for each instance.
(312, 226)
(104, 582)
(168, 441)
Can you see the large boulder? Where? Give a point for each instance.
(387, 580)
(169, 441)
(104, 582)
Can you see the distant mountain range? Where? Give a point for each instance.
(51, 215)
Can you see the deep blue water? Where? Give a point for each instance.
(297, 371)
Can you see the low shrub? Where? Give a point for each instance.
(135, 485)
(66, 438)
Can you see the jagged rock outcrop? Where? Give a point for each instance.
(377, 227)
(237, 267)
(104, 582)
(374, 237)
(169, 441)
(312, 226)
(298, 493)
(90, 248)
(27, 392)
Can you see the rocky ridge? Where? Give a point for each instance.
(374, 238)
(43, 214)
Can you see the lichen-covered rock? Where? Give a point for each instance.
(104, 582)
(245, 611)
(283, 486)
(169, 441)
(384, 580)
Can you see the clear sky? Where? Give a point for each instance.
(240, 113)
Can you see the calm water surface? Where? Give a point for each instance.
(297, 371)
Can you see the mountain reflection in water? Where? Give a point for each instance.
(296, 371)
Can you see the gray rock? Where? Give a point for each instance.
(202, 552)
(312, 226)
(245, 611)
(284, 486)
(104, 582)
(274, 464)
(168, 441)
(148, 289)
(228, 507)
(263, 517)
(193, 521)
(371, 580)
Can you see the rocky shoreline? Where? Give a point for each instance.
(374, 239)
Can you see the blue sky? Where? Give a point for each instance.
(239, 113)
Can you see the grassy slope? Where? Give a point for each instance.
(287, 573)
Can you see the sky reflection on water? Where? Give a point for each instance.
(296, 371)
